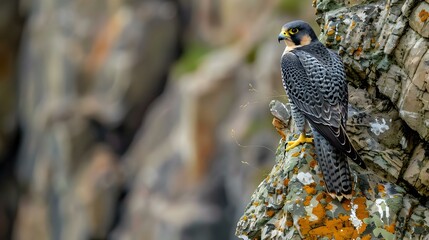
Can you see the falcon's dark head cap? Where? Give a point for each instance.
(297, 33)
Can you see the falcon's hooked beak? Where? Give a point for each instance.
(283, 35)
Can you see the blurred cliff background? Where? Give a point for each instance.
(136, 119)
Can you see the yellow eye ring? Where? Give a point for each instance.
(293, 31)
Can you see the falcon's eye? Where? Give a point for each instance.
(293, 31)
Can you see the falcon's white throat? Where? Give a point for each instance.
(290, 45)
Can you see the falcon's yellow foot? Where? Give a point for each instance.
(301, 139)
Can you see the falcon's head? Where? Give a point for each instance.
(297, 33)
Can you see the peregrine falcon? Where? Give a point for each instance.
(314, 79)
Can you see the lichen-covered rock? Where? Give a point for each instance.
(291, 203)
(385, 50)
(369, 50)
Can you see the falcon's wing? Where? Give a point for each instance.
(319, 98)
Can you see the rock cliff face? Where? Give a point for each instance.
(385, 48)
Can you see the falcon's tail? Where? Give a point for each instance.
(335, 168)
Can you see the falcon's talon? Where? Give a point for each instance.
(301, 140)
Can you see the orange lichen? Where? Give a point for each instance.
(361, 211)
(307, 201)
(338, 38)
(381, 188)
(337, 228)
(286, 182)
(304, 225)
(358, 51)
(423, 15)
(313, 163)
(320, 196)
(310, 189)
(334, 224)
(366, 237)
(289, 223)
(330, 32)
(319, 211)
(345, 233)
(321, 231)
(344, 218)
(270, 212)
(346, 205)
(390, 228)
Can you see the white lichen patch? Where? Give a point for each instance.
(383, 209)
(357, 223)
(305, 178)
(379, 126)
